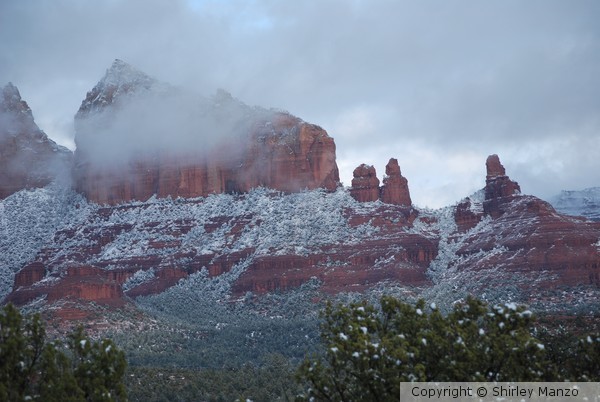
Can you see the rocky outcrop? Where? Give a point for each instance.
(395, 186)
(230, 148)
(356, 269)
(97, 259)
(28, 158)
(80, 283)
(391, 256)
(120, 80)
(365, 184)
(493, 200)
(305, 161)
(30, 274)
(263, 241)
(468, 214)
(534, 249)
(499, 188)
(518, 246)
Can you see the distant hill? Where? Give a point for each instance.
(584, 203)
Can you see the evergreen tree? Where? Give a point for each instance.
(369, 350)
(33, 369)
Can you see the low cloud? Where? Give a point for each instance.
(440, 80)
(165, 120)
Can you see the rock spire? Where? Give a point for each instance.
(365, 185)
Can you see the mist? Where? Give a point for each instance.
(166, 120)
(28, 158)
(439, 86)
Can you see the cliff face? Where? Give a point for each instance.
(179, 145)
(520, 242)
(259, 242)
(532, 254)
(28, 158)
(264, 241)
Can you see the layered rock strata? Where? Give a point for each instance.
(82, 262)
(264, 241)
(524, 249)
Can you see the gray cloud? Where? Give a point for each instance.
(163, 118)
(439, 85)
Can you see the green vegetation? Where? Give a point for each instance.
(370, 350)
(33, 369)
(271, 380)
(366, 350)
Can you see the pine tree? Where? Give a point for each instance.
(370, 350)
(33, 369)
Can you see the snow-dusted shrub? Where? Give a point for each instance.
(138, 278)
(29, 220)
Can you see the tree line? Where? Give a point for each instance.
(366, 351)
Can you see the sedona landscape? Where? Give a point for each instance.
(262, 205)
(217, 249)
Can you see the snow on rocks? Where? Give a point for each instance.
(29, 221)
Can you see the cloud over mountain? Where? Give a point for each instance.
(436, 85)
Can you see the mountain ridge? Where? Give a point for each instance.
(268, 215)
(266, 241)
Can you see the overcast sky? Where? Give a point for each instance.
(439, 85)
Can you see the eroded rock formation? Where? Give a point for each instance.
(190, 147)
(365, 184)
(527, 251)
(261, 240)
(499, 188)
(95, 261)
(82, 283)
(395, 186)
(468, 214)
(28, 158)
(531, 246)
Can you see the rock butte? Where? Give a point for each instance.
(274, 149)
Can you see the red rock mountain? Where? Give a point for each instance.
(242, 227)
(264, 241)
(28, 158)
(175, 144)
